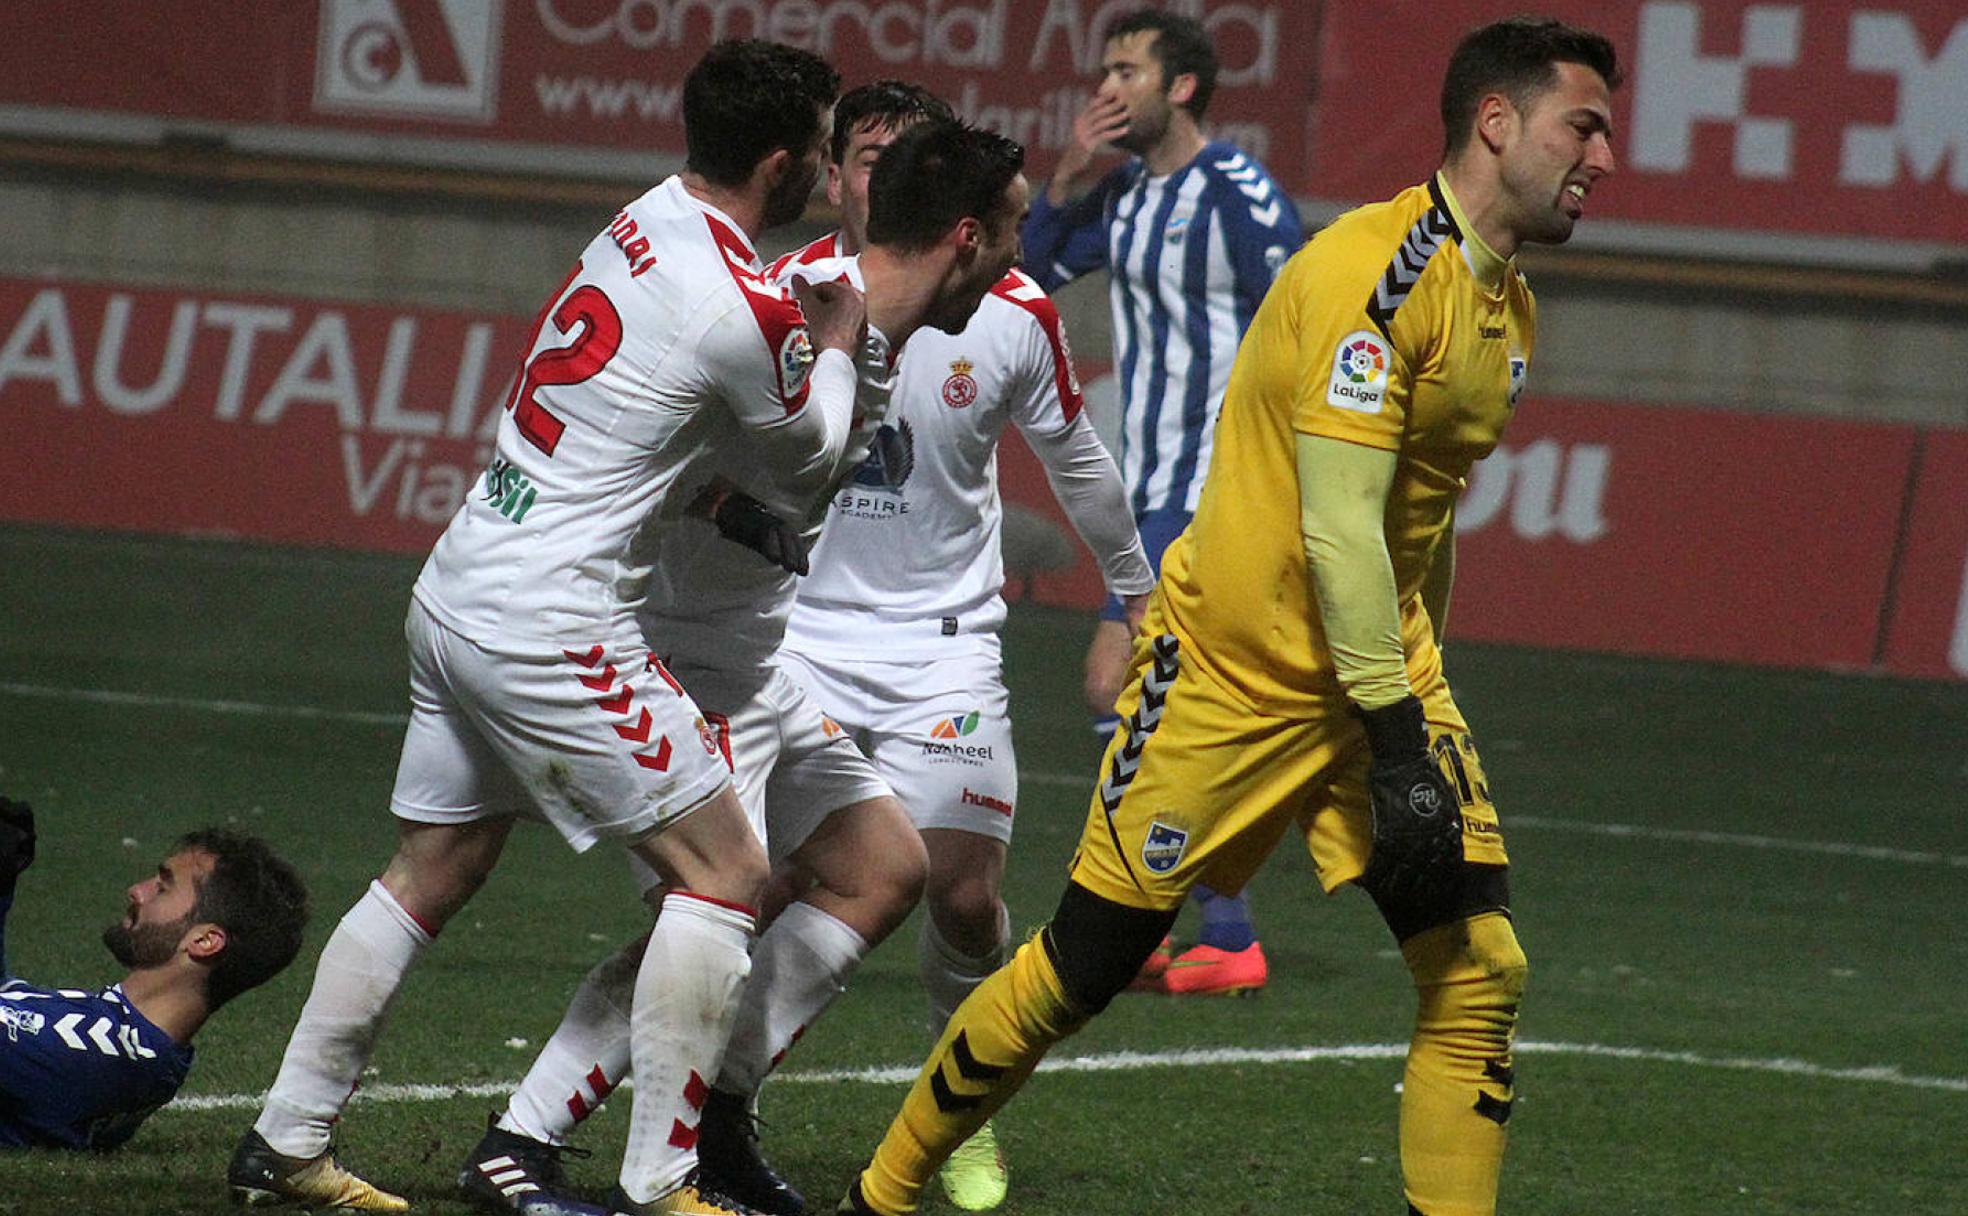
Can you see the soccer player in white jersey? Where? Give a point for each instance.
(946, 234)
(896, 630)
(1191, 232)
(533, 690)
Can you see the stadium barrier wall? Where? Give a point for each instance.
(1689, 532)
(1748, 128)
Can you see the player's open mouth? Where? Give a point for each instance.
(1573, 196)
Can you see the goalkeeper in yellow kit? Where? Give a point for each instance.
(1289, 670)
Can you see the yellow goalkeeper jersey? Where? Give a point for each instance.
(1396, 328)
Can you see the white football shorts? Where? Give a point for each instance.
(793, 765)
(939, 731)
(601, 741)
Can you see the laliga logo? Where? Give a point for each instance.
(408, 58)
(1363, 362)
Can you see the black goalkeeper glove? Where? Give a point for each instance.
(1417, 822)
(740, 517)
(16, 842)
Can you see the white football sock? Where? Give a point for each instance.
(801, 964)
(686, 995)
(355, 983)
(586, 1058)
(948, 974)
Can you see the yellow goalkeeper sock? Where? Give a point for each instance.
(993, 1042)
(1457, 1093)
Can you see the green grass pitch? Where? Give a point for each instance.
(1740, 891)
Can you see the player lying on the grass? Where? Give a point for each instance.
(533, 689)
(943, 233)
(1289, 672)
(81, 1069)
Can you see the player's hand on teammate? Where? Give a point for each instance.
(1417, 823)
(836, 315)
(1136, 608)
(745, 520)
(16, 841)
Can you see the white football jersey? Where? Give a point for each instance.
(908, 563)
(712, 602)
(664, 347)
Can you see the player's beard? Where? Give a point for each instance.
(139, 945)
(1144, 130)
(787, 200)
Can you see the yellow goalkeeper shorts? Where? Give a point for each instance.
(1198, 787)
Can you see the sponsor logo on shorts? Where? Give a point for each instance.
(1163, 848)
(957, 727)
(972, 798)
(975, 755)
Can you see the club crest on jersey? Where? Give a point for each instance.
(960, 390)
(15, 1021)
(1359, 372)
(1519, 367)
(1163, 848)
(795, 361)
(1178, 227)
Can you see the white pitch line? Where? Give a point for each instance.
(1202, 1057)
(104, 696)
(1538, 823)
(1070, 781)
(1871, 852)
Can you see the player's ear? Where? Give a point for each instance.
(1495, 116)
(1181, 89)
(774, 167)
(203, 941)
(833, 183)
(968, 236)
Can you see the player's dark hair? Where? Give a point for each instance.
(748, 98)
(260, 902)
(934, 174)
(895, 104)
(1519, 58)
(1181, 46)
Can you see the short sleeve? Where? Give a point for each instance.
(1356, 384)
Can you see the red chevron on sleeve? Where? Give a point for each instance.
(779, 318)
(1018, 288)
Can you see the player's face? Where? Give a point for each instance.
(997, 250)
(847, 182)
(1131, 75)
(787, 201)
(1562, 146)
(160, 911)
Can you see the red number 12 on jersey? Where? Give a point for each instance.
(588, 307)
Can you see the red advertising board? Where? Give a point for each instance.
(1812, 125)
(1686, 532)
(1835, 118)
(1927, 634)
(270, 419)
(1645, 530)
(518, 83)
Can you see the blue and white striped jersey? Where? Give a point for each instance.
(1189, 256)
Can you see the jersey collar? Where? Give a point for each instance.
(1482, 261)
